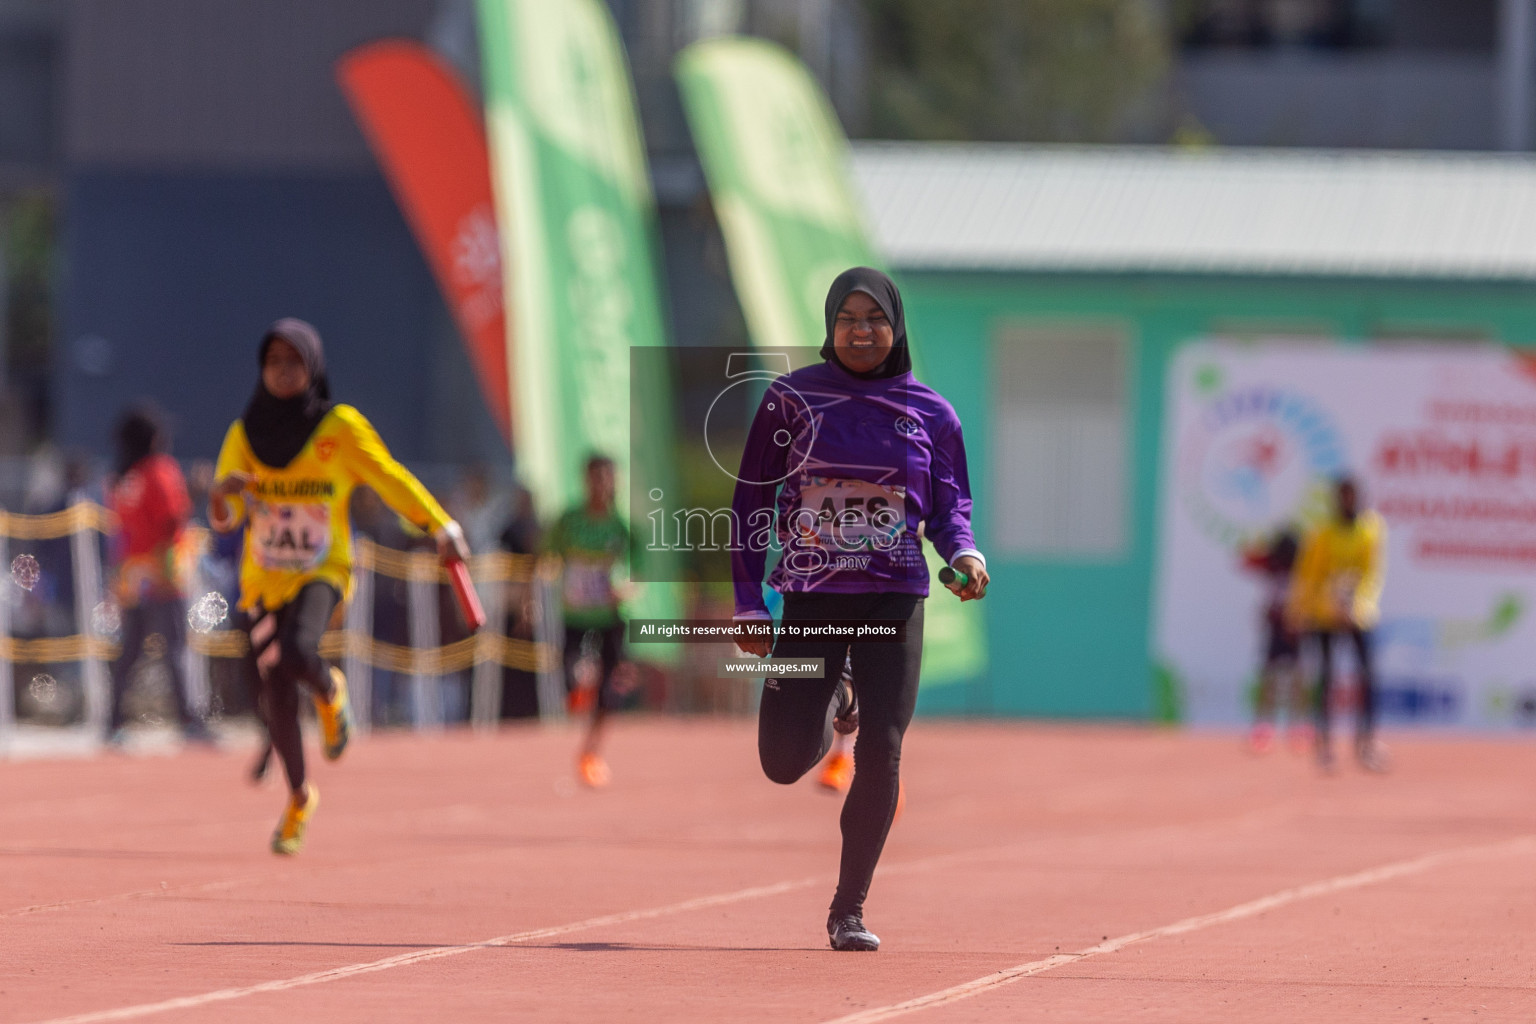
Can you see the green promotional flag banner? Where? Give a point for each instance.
(777, 164)
(578, 242)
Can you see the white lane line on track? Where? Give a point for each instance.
(406, 959)
(138, 894)
(1371, 876)
(937, 860)
(438, 953)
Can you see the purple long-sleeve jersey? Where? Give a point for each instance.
(840, 471)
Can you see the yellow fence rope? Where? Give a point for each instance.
(436, 661)
(423, 566)
(496, 567)
(232, 643)
(86, 515)
(53, 650)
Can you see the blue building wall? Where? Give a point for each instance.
(171, 279)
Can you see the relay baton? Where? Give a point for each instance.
(464, 593)
(953, 578)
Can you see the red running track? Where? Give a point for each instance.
(1040, 873)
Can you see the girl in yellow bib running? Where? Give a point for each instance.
(286, 471)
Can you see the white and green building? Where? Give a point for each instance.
(1058, 293)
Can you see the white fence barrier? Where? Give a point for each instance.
(471, 668)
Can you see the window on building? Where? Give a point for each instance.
(1060, 447)
(1262, 24)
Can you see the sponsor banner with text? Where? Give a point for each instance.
(1443, 441)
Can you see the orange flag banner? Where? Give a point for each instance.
(428, 136)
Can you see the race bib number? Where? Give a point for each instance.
(851, 515)
(290, 537)
(587, 584)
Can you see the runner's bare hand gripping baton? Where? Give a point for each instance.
(953, 578)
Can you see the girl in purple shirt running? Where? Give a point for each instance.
(844, 462)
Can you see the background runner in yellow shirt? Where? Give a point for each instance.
(1337, 589)
(287, 470)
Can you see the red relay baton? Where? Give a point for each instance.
(464, 593)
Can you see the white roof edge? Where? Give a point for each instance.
(1277, 154)
(1002, 206)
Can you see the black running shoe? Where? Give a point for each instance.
(847, 932)
(846, 718)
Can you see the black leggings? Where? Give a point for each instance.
(299, 626)
(794, 723)
(610, 649)
(167, 618)
(1366, 722)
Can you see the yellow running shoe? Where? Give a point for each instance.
(335, 718)
(289, 836)
(838, 773)
(593, 771)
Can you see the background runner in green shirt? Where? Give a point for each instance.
(592, 542)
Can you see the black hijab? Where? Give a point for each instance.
(139, 435)
(883, 290)
(278, 427)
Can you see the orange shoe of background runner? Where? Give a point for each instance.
(838, 773)
(593, 771)
(901, 801)
(289, 837)
(335, 717)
